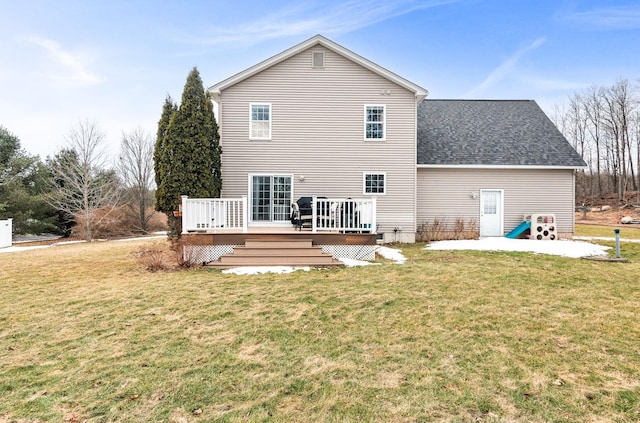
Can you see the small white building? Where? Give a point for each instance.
(5, 233)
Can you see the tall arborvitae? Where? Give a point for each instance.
(189, 153)
(161, 155)
(216, 150)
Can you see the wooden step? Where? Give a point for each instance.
(276, 252)
(219, 265)
(248, 261)
(278, 243)
(268, 260)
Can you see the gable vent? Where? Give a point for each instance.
(318, 59)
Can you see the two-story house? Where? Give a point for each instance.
(319, 120)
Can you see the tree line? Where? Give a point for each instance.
(603, 125)
(80, 191)
(77, 190)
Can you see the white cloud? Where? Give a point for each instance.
(68, 66)
(551, 84)
(617, 18)
(309, 19)
(504, 69)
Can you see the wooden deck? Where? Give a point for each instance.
(277, 248)
(274, 252)
(323, 238)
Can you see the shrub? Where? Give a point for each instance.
(153, 256)
(438, 229)
(185, 257)
(431, 230)
(117, 223)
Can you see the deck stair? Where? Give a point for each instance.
(276, 252)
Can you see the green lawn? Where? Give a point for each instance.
(607, 231)
(86, 334)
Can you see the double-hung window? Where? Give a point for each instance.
(374, 183)
(374, 122)
(260, 121)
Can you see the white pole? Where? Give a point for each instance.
(184, 214)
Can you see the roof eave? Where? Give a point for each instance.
(481, 166)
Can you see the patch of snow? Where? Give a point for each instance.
(15, 249)
(264, 269)
(565, 248)
(392, 254)
(352, 262)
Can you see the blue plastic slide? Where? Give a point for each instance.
(519, 229)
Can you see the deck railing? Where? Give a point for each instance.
(344, 215)
(352, 215)
(214, 214)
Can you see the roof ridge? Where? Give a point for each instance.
(481, 99)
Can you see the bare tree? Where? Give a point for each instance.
(604, 126)
(135, 169)
(83, 186)
(619, 106)
(635, 134)
(577, 128)
(594, 110)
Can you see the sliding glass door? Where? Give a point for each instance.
(270, 198)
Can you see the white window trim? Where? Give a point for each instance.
(384, 122)
(251, 136)
(260, 223)
(313, 62)
(364, 183)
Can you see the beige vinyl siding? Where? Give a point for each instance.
(317, 117)
(446, 193)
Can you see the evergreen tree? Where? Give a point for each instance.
(162, 156)
(187, 150)
(216, 150)
(23, 187)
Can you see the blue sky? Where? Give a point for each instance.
(113, 62)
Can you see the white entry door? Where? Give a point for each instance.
(491, 212)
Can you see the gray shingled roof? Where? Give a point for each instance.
(490, 132)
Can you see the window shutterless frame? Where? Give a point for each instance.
(374, 183)
(375, 122)
(260, 118)
(270, 197)
(317, 59)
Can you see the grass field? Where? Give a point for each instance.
(86, 334)
(607, 231)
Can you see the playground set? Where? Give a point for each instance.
(538, 226)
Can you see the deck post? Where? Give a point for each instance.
(245, 214)
(374, 217)
(183, 209)
(314, 215)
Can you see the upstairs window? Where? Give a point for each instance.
(374, 183)
(260, 125)
(374, 122)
